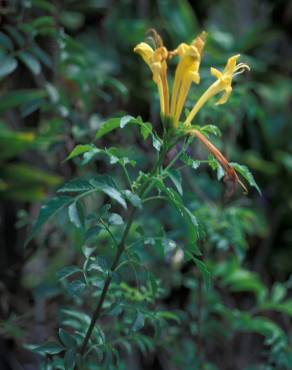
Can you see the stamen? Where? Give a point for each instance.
(242, 66)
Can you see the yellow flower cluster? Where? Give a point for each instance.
(187, 71)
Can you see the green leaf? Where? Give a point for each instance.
(44, 5)
(114, 123)
(67, 339)
(76, 215)
(30, 107)
(30, 61)
(175, 177)
(153, 284)
(138, 322)
(92, 232)
(117, 86)
(203, 269)
(16, 35)
(278, 292)
(117, 155)
(125, 120)
(14, 142)
(146, 129)
(212, 162)
(180, 18)
(51, 348)
(241, 280)
(110, 191)
(220, 172)
(99, 264)
(115, 219)
(6, 42)
(169, 246)
(43, 21)
(90, 155)
(115, 309)
(87, 251)
(168, 316)
(67, 271)
(26, 183)
(80, 149)
(72, 315)
(7, 65)
(41, 55)
(78, 185)
(187, 215)
(156, 142)
(107, 127)
(48, 210)
(245, 172)
(194, 164)
(210, 129)
(26, 174)
(76, 287)
(72, 20)
(94, 184)
(69, 359)
(133, 198)
(17, 97)
(261, 325)
(283, 307)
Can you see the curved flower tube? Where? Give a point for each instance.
(187, 71)
(223, 84)
(156, 60)
(230, 173)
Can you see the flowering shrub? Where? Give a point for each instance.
(117, 242)
(141, 259)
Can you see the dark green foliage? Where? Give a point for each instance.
(203, 280)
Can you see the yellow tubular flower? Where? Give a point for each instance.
(230, 173)
(156, 60)
(223, 84)
(187, 71)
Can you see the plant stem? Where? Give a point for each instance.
(127, 176)
(176, 157)
(120, 249)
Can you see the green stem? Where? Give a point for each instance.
(127, 176)
(154, 198)
(120, 249)
(109, 232)
(176, 157)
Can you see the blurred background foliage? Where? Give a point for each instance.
(65, 67)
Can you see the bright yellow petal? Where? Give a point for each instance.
(184, 89)
(215, 72)
(186, 73)
(223, 84)
(225, 96)
(231, 65)
(156, 60)
(145, 51)
(208, 94)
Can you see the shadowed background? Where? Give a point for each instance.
(55, 93)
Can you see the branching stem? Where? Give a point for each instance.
(120, 249)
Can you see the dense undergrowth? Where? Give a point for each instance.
(202, 275)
